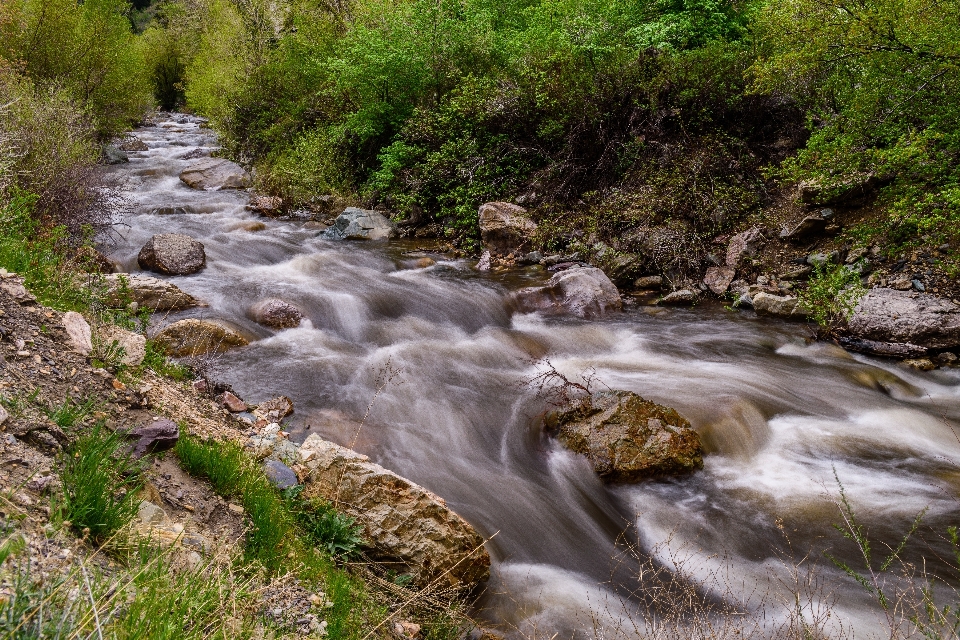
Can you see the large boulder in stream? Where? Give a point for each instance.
(194, 337)
(627, 438)
(148, 292)
(504, 227)
(585, 292)
(215, 173)
(909, 318)
(408, 526)
(786, 307)
(172, 254)
(361, 224)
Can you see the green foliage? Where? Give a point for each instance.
(148, 599)
(37, 253)
(338, 533)
(156, 360)
(832, 293)
(86, 49)
(71, 412)
(100, 484)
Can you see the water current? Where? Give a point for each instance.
(779, 414)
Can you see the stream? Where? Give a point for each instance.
(438, 359)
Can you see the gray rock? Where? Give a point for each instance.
(853, 187)
(4, 416)
(943, 359)
(157, 435)
(504, 227)
(276, 313)
(787, 307)
(215, 173)
(820, 259)
(809, 226)
(361, 224)
(585, 292)
(918, 285)
(280, 474)
(534, 257)
(885, 349)
(800, 273)
(113, 155)
(679, 297)
(172, 254)
(887, 315)
(408, 526)
(148, 292)
(133, 143)
(150, 514)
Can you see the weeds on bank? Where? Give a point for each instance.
(100, 485)
(327, 527)
(832, 294)
(70, 412)
(150, 598)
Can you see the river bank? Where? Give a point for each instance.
(777, 413)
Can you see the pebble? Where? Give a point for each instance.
(235, 508)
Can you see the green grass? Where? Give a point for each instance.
(70, 412)
(100, 485)
(338, 533)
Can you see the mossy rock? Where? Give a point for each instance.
(627, 438)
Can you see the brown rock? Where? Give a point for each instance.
(648, 283)
(627, 438)
(809, 226)
(266, 205)
(743, 244)
(215, 173)
(504, 227)
(922, 364)
(276, 313)
(232, 403)
(719, 279)
(194, 337)
(172, 254)
(408, 526)
(148, 292)
(252, 226)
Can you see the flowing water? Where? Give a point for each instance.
(437, 358)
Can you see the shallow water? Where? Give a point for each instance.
(436, 358)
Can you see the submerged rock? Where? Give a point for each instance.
(172, 254)
(148, 292)
(361, 224)
(585, 292)
(408, 526)
(627, 438)
(275, 409)
(679, 297)
(887, 315)
(504, 227)
(276, 313)
(215, 173)
(194, 337)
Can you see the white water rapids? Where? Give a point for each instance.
(778, 414)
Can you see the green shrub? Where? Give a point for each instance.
(338, 533)
(832, 294)
(100, 484)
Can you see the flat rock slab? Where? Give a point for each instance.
(192, 337)
(148, 292)
(627, 438)
(157, 435)
(361, 224)
(920, 319)
(172, 254)
(407, 524)
(585, 292)
(215, 173)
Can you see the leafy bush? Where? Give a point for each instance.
(338, 533)
(86, 50)
(100, 484)
(832, 294)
